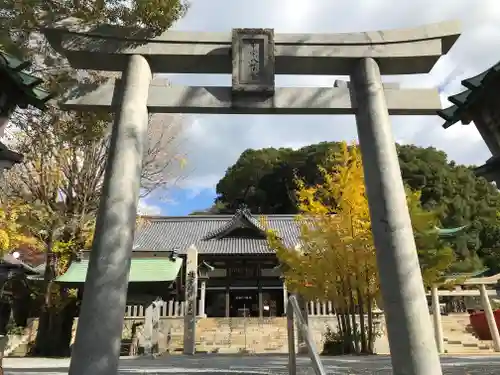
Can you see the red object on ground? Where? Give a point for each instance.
(480, 324)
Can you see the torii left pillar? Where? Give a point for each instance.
(98, 338)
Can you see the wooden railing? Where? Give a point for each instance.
(173, 309)
(170, 309)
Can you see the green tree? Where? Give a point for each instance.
(61, 177)
(436, 258)
(452, 192)
(13, 233)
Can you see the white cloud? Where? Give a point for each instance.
(214, 142)
(147, 208)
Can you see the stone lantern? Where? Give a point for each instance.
(480, 103)
(204, 270)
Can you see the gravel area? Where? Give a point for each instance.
(258, 364)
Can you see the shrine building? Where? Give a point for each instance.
(238, 274)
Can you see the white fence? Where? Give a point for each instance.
(173, 309)
(320, 309)
(167, 309)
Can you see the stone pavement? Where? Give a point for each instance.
(258, 364)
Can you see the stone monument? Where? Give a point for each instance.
(254, 57)
(191, 300)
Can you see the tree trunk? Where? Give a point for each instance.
(67, 318)
(339, 323)
(350, 336)
(44, 335)
(346, 334)
(354, 323)
(371, 333)
(361, 308)
(55, 339)
(55, 324)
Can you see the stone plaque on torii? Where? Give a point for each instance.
(254, 57)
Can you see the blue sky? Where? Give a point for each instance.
(212, 143)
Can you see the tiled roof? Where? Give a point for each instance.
(178, 233)
(14, 69)
(476, 88)
(242, 219)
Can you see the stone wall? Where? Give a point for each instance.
(233, 335)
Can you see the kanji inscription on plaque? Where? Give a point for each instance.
(253, 60)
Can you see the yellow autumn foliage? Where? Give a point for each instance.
(336, 253)
(13, 233)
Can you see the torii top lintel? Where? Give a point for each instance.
(105, 47)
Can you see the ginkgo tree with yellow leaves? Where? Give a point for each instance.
(13, 232)
(336, 258)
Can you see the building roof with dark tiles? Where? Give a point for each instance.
(215, 234)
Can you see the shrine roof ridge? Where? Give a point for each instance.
(213, 217)
(206, 232)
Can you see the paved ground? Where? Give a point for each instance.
(222, 364)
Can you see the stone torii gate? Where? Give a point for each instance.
(254, 57)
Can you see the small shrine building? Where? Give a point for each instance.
(239, 274)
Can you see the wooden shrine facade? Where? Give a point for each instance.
(245, 286)
(238, 273)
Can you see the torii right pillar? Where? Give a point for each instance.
(411, 337)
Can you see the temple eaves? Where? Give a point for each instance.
(14, 70)
(476, 88)
(105, 47)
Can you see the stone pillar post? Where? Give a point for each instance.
(228, 302)
(97, 343)
(411, 340)
(148, 329)
(490, 317)
(155, 334)
(191, 301)
(285, 296)
(203, 291)
(436, 318)
(260, 301)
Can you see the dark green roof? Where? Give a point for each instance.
(141, 270)
(14, 69)
(450, 232)
(489, 169)
(476, 87)
(478, 273)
